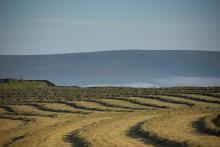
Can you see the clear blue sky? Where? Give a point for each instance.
(68, 26)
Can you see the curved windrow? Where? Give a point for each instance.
(208, 125)
(176, 130)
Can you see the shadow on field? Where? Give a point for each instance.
(136, 134)
(200, 127)
(14, 140)
(74, 140)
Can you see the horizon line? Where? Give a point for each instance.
(106, 51)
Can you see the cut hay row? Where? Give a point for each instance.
(12, 137)
(9, 124)
(58, 135)
(197, 103)
(155, 102)
(170, 100)
(13, 122)
(215, 95)
(162, 103)
(74, 105)
(110, 132)
(117, 103)
(21, 110)
(141, 132)
(190, 101)
(11, 133)
(57, 108)
(205, 97)
(179, 100)
(28, 110)
(14, 140)
(207, 125)
(53, 132)
(85, 105)
(106, 104)
(176, 130)
(109, 107)
(200, 98)
(91, 106)
(14, 117)
(30, 114)
(138, 102)
(22, 100)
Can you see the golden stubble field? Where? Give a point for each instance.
(153, 120)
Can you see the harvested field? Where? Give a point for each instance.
(160, 119)
(2, 110)
(8, 124)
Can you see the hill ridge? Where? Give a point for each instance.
(144, 68)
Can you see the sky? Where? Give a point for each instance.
(71, 26)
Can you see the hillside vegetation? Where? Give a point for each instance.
(38, 113)
(120, 67)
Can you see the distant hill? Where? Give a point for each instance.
(146, 68)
